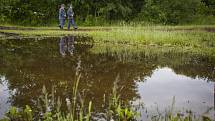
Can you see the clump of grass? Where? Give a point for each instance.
(117, 110)
(15, 114)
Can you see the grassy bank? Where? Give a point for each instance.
(198, 38)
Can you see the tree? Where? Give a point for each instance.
(170, 11)
(156, 11)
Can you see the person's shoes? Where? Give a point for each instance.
(76, 28)
(59, 26)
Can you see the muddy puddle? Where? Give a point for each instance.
(152, 79)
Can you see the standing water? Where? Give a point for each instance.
(156, 79)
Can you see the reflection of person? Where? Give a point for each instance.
(62, 46)
(70, 14)
(67, 44)
(62, 16)
(71, 42)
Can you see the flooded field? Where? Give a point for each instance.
(145, 76)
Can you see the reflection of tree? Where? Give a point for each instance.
(192, 66)
(33, 64)
(28, 65)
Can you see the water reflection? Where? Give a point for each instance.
(4, 95)
(67, 44)
(28, 65)
(190, 94)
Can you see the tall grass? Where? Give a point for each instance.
(164, 37)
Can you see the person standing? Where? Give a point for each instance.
(71, 20)
(62, 16)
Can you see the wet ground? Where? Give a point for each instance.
(154, 79)
(207, 29)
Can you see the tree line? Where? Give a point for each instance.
(44, 12)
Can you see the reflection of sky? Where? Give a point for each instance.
(164, 84)
(157, 90)
(4, 95)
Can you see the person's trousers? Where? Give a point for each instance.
(62, 23)
(71, 21)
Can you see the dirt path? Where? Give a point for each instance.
(10, 34)
(207, 29)
(80, 29)
(14, 28)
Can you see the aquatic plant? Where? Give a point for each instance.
(117, 110)
(15, 114)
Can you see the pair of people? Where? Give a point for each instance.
(62, 17)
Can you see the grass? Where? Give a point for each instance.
(155, 37)
(160, 35)
(197, 38)
(151, 50)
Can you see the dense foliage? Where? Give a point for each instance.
(91, 12)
